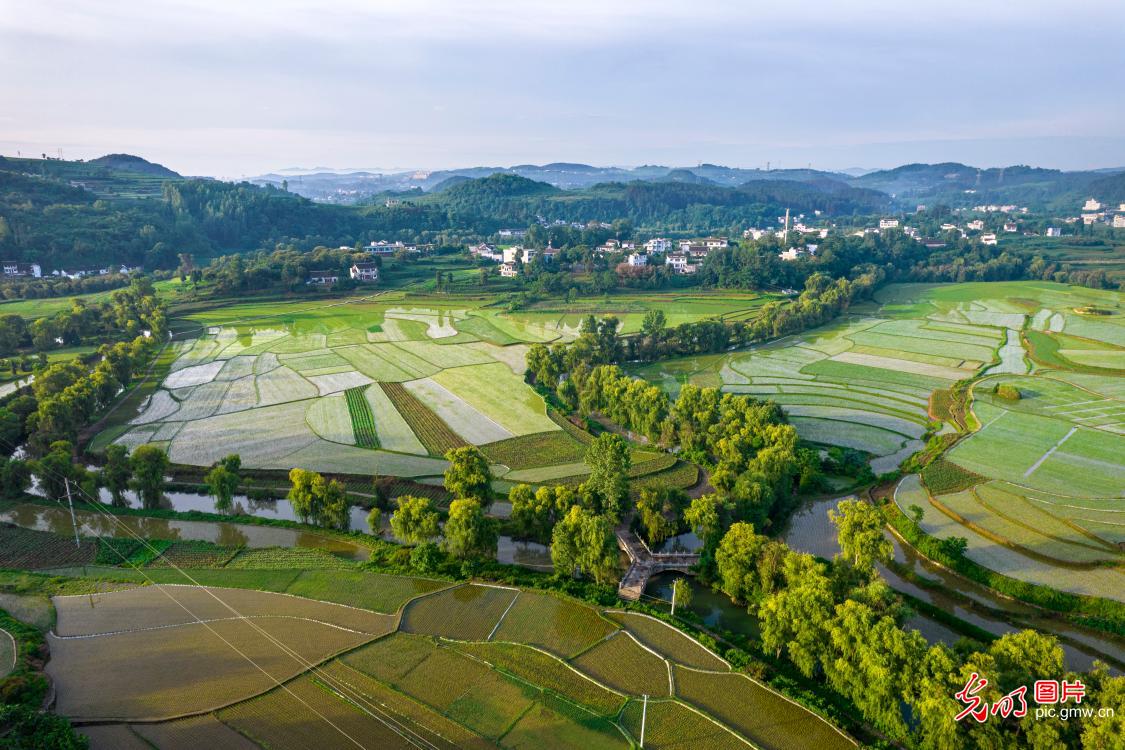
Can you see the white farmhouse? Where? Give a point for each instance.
(509, 270)
(988, 239)
(637, 259)
(364, 272)
(888, 223)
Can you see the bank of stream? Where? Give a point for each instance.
(809, 530)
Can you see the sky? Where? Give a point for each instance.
(234, 88)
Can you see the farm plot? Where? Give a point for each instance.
(194, 375)
(187, 668)
(258, 435)
(667, 640)
(236, 367)
(1011, 503)
(1043, 453)
(287, 719)
(331, 419)
(193, 732)
(464, 613)
(361, 417)
(374, 591)
(460, 687)
(26, 548)
(559, 626)
(203, 401)
(494, 391)
(401, 356)
(626, 666)
(547, 672)
(984, 519)
(348, 459)
(162, 606)
(551, 724)
(670, 725)
(282, 384)
(430, 429)
(467, 422)
(339, 381)
(540, 449)
(438, 731)
(757, 713)
(867, 438)
(365, 359)
(161, 405)
(391, 430)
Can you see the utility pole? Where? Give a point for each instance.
(73, 520)
(673, 598)
(644, 715)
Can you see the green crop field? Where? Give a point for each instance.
(362, 419)
(670, 725)
(552, 623)
(548, 672)
(157, 665)
(626, 666)
(666, 640)
(464, 613)
(753, 711)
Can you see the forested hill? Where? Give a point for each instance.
(120, 209)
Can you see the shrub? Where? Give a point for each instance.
(1004, 390)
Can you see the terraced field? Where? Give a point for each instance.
(179, 666)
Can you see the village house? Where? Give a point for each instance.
(1010, 226)
(1119, 221)
(512, 233)
(658, 245)
(512, 254)
(637, 259)
(509, 270)
(323, 278)
(1089, 219)
(988, 239)
(715, 243)
(756, 234)
(16, 268)
(888, 223)
(1092, 205)
(528, 255)
(364, 271)
(1054, 232)
(383, 247)
(549, 254)
(976, 225)
(487, 252)
(798, 252)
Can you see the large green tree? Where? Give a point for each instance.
(468, 533)
(583, 543)
(468, 475)
(737, 561)
(222, 481)
(149, 464)
(860, 532)
(415, 521)
(794, 618)
(609, 459)
(116, 473)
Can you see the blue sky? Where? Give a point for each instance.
(239, 87)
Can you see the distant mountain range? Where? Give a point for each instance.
(950, 183)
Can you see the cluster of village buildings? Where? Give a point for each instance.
(1094, 212)
(17, 269)
(682, 256)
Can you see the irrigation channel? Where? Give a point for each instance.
(509, 550)
(809, 530)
